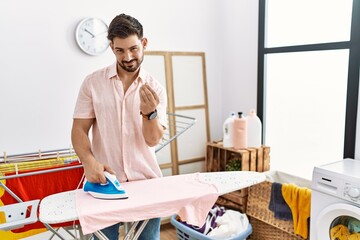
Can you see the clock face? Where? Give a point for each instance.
(91, 36)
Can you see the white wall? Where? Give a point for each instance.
(240, 44)
(42, 67)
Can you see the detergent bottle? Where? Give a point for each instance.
(253, 129)
(228, 127)
(240, 132)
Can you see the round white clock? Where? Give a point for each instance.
(91, 36)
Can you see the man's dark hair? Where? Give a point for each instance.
(123, 26)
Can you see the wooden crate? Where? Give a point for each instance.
(251, 159)
(235, 200)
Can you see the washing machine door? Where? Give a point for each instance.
(338, 221)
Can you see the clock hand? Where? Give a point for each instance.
(89, 33)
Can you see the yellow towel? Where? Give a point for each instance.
(299, 200)
(354, 236)
(339, 232)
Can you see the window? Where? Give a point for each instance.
(308, 81)
(296, 22)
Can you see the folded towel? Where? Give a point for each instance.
(299, 200)
(277, 203)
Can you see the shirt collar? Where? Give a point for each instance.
(113, 73)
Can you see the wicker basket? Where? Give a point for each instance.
(265, 226)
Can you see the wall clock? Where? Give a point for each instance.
(91, 36)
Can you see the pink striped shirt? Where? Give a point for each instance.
(185, 195)
(117, 138)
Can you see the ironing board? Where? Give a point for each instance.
(35, 162)
(61, 207)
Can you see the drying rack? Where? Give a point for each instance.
(11, 166)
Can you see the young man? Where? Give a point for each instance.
(126, 108)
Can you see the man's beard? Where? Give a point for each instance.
(136, 64)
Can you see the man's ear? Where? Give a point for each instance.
(144, 42)
(112, 46)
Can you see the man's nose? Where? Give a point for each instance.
(127, 56)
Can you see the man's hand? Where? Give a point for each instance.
(148, 99)
(94, 171)
(152, 130)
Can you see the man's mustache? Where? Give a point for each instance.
(132, 60)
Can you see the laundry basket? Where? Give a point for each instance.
(185, 233)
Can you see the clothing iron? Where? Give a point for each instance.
(110, 190)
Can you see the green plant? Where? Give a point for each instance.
(233, 165)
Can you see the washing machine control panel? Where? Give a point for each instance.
(352, 193)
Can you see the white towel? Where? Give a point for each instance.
(231, 224)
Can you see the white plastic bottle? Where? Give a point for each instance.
(240, 132)
(228, 131)
(253, 129)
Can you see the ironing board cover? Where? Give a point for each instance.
(191, 196)
(183, 194)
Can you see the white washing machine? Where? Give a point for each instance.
(335, 201)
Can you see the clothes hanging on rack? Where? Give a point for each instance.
(38, 186)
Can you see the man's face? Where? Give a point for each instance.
(129, 52)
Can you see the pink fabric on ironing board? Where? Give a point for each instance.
(157, 197)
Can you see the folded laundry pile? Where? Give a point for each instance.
(222, 223)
